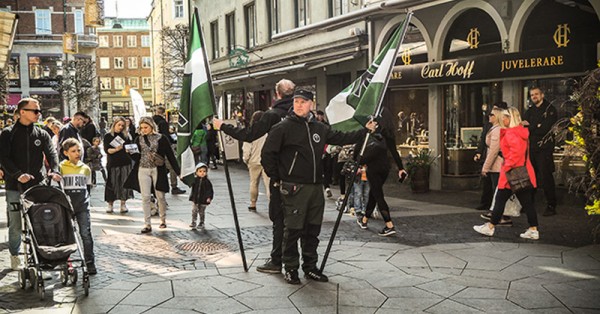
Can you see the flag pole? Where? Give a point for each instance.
(362, 150)
(232, 200)
(224, 156)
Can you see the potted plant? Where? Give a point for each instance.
(418, 163)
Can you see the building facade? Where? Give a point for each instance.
(40, 56)
(124, 63)
(165, 14)
(457, 59)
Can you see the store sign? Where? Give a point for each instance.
(497, 66)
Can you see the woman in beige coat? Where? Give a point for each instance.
(251, 157)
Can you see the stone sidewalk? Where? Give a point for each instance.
(436, 264)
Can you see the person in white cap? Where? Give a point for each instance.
(201, 196)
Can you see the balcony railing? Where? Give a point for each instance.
(89, 40)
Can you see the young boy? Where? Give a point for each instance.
(76, 179)
(201, 196)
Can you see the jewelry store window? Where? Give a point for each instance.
(410, 109)
(464, 114)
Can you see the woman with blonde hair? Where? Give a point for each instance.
(514, 144)
(118, 165)
(150, 170)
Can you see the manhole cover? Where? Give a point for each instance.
(202, 246)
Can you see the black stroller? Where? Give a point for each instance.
(50, 236)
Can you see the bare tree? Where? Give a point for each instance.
(79, 87)
(173, 55)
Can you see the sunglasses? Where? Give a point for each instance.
(35, 111)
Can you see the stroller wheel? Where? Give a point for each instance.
(86, 286)
(32, 278)
(23, 275)
(41, 290)
(64, 276)
(73, 276)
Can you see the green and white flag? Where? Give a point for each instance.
(352, 107)
(197, 101)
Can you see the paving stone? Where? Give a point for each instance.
(317, 309)
(129, 309)
(407, 292)
(537, 299)
(220, 305)
(368, 298)
(574, 297)
(404, 305)
(195, 287)
(449, 306)
(480, 293)
(149, 298)
(307, 297)
(265, 303)
(441, 288)
(492, 305)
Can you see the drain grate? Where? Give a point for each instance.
(202, 246)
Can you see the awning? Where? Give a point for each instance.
(8, 29)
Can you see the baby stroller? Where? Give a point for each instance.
(50, 236)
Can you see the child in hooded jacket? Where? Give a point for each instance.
(201, 196)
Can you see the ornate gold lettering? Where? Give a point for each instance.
(561, 35)
(406, 56)
(473, 38)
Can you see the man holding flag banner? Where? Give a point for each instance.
(355, 105)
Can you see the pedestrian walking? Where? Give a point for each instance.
(251, 156)
(149, 170)
(201, 196)
(539, 119)
(284, 90)
(292, 159)
(118, 165)
(93, 158)
(514, 146)
(378, 168)
(24, 148)
(77, 180)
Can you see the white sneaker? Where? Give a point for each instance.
(109, 210)
(484, 229)
(124, 208)
(15, 262)
(531, 234)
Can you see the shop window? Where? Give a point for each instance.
(44, 70)
(409, 110)
(465, 111)
(14, 72)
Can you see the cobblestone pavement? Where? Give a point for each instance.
(436, 222)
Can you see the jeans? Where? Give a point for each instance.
(14, 221)
(85, 230)
(361, 196)
(147, 178)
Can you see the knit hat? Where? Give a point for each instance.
(201, 165)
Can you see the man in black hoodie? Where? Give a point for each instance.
(539, 119)
(291, 157)
(284, 89)
(24, 146)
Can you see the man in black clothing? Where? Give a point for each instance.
(24, 147)
(539, 118)
(284, 89)
(163, 128)
(71, 130)
(291, 157)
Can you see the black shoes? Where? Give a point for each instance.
(550, 211)
(270, 268)
(176, 191)
(315, 275)
(146, 230)
(91, 268)
(359, 221)
(386, 232)
(291, 277)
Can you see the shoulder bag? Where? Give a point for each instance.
(518, 178)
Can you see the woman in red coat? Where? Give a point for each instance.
(513, 144)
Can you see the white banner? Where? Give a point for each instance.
(139, 107)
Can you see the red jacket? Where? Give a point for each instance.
(513, 144)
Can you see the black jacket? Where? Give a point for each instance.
(163, 127)
(271, 117)
(201, 191)
(22, 150)
(162, 183)
(68, 131)
(120, 158)
(294, 147)
(541, 119)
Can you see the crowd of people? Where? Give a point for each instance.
(291, 147)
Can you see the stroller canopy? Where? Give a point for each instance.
(45, 194)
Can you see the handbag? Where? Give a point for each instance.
(518, 178)
(158, 160)
(512, 207)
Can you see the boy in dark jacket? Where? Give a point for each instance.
(201, 196)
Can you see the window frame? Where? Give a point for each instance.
(146, 60)
(132, 62)
(148, 80)
(131, 41)
(121, 80)
(214, 38)
(43, 24)
(130, 81)
(118, 63)
(145, 41)
(103, 39)
(104, 63)
(250, 23)
(105, 83)
(274, 17)
(117, 41)
(230, 28)
(79, 22)
(178, 9)
(302, 19)
(338, 7)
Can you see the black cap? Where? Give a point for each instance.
(302, 93)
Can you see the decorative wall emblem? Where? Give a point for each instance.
(473, 38)
(561, 35)
(406, 56)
